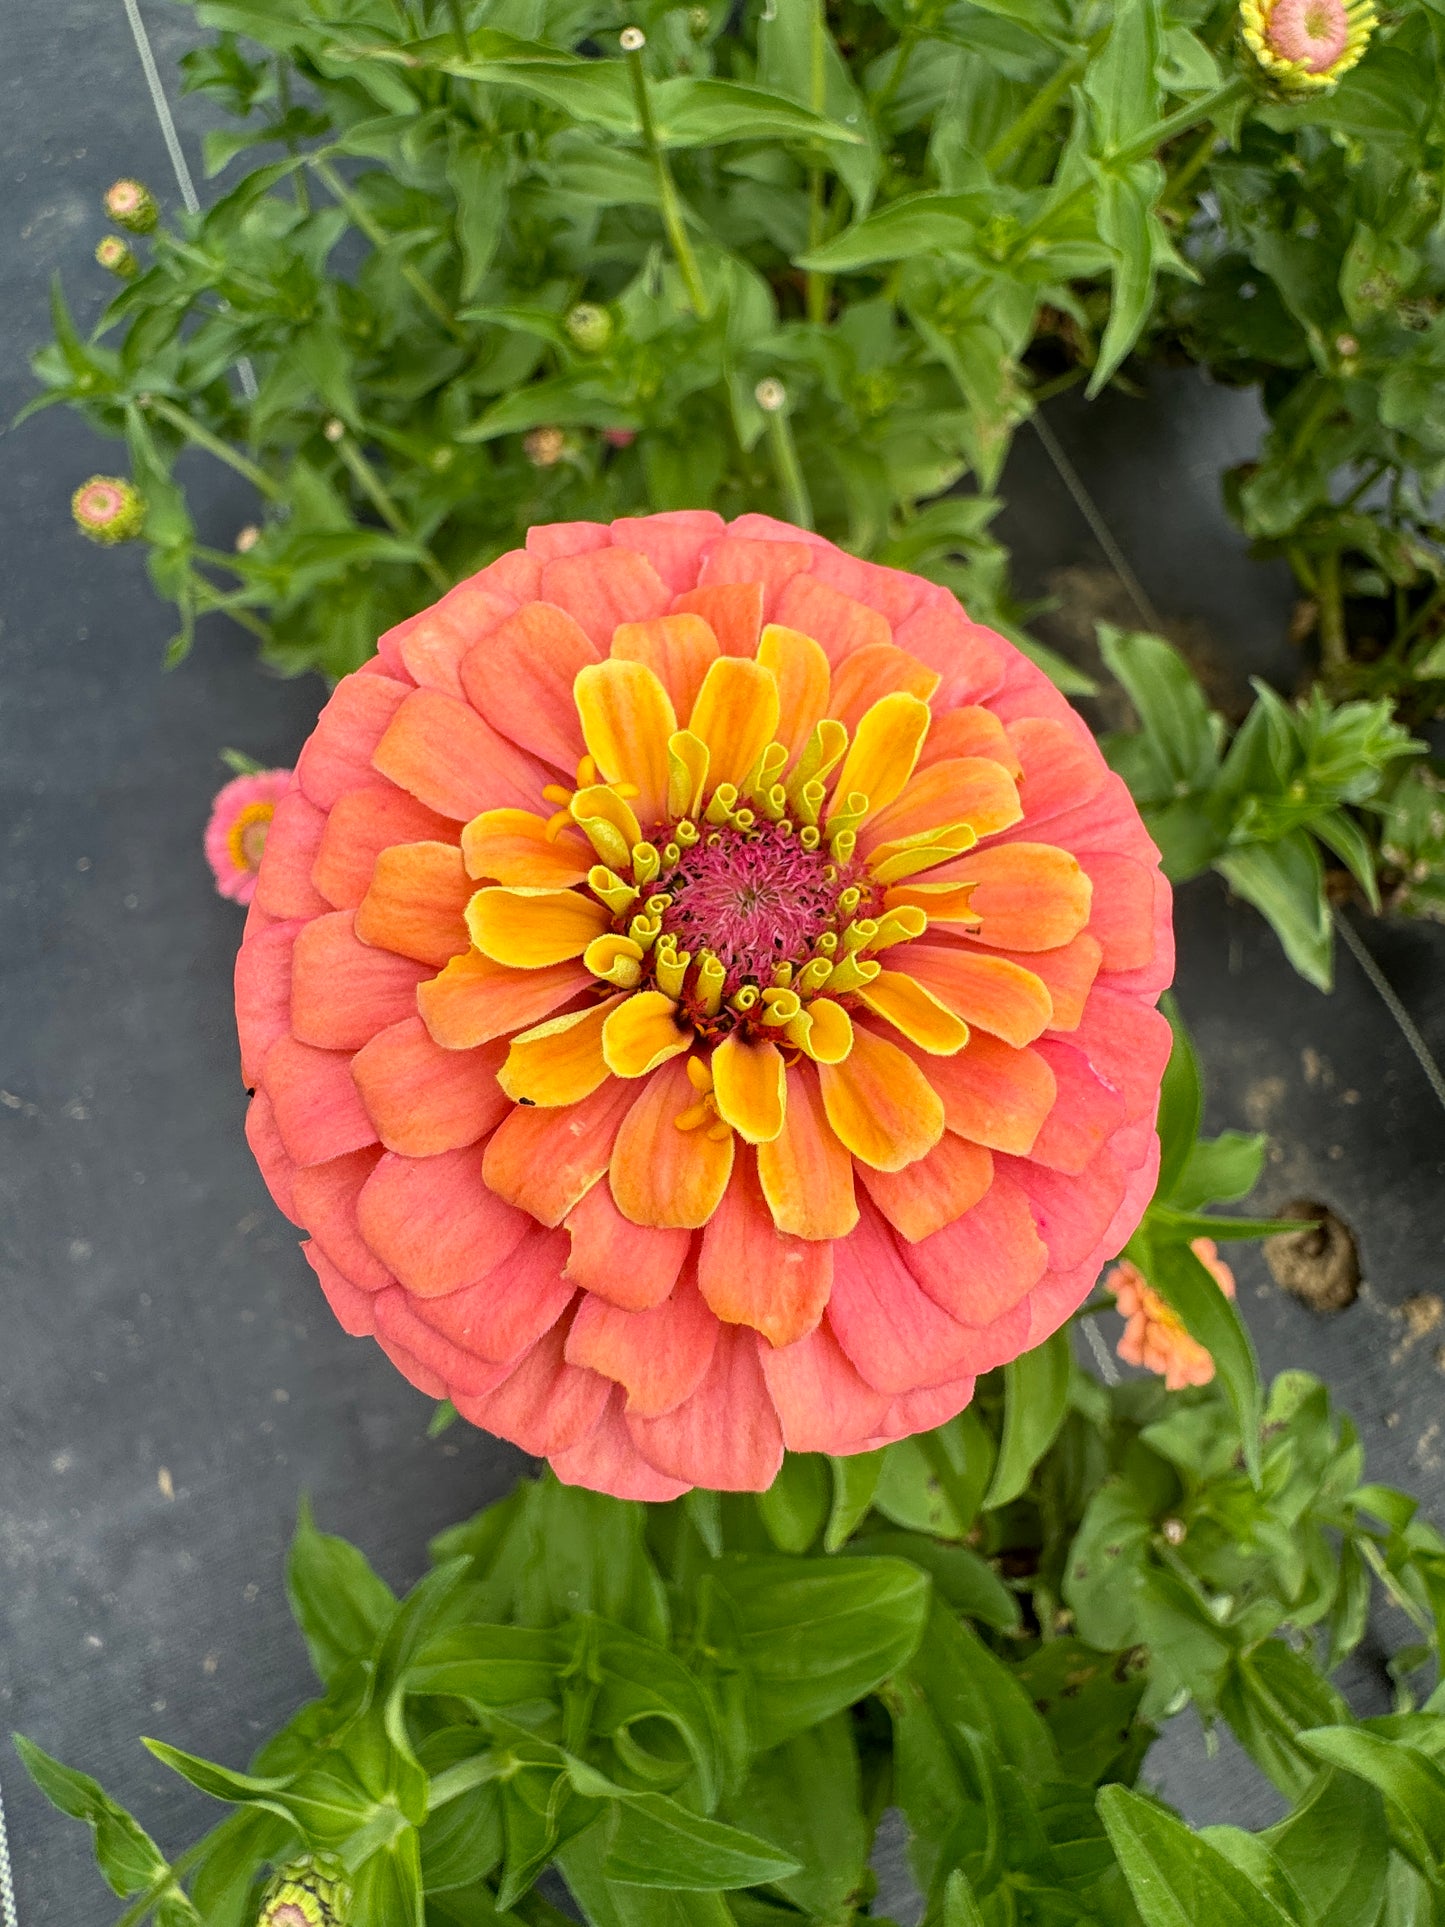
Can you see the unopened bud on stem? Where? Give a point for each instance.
(130, 204)
(108, 509)
(115, 256)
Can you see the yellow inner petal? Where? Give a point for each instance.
(643, 1032)
(736, 715)
(749, 1086)
(884, 750)
(627, 717)
(559, 1062)
(529, 929)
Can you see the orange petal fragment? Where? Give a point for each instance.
(559, 1062)
(679, 650)
(883, 752)
(800, 668)
(475, 999)
(605, 588)
(805, 1172)
(1067, 973)
(752, 1274)
(877, 670)
(343, 991)
(736, 715)
(994, 1094)
(642, 1032)
(1028, 896)
(999, 995)
(424, 1099)
(627, 717)
(531, 931)
(632, 1266)
(970, 730)
(434, 1223)
(749, 1086)
(543, 1161)
(362, 824)
(520, 678)
(417, 902)
(912, 1008)
(451, 759)
(840, 623)
(880, 1104)
(659, 1355)
(512, 846)
(732, 610)
(963, 789)
(940, 1187)
(661, 1175)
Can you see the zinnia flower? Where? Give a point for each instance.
(130, 204)
(117, 258)
(700, 999)
(1154, 1334)
(1306, 46)
(108, 509)
(239, 825)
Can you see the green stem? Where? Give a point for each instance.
(671, 206)
(1421, 616)
(947, 1475)
(213, 445)
(1199, 155)
(817, 282)
(283, 95)
(1038, 111)
(376, 492)
(459, 28)
(382, 241)
(790, 472)
(1333, 646)
(1180, 122)
(895, 72)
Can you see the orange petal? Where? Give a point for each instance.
(449, 758)
(964, 789)
(661, 1175)
(1061, 766)
(805, 1172)
(530, 931)
(751, 1273)
(643, 1032)
(679, 650)
(740, 558)
(336, 757)
(945, 903)
(520, 678)
(630, 1265)
(559, 1062)
(749, 1086)
(726, 1436)
(940, 1187)
(512, 846)
(800, 669)
(660, 1355)
(999, 995)
(543, 1161)
(880, 1104)
(363, 823)
(627, 718)
(841, 624)
(417, 902)
(877, 670)
(344, 991)
(433, 643)
(912, 1008)
(424, 1099)
(884, 749)
(434, 1223)
(1028, 896)
(605, 588)
(994, 1094)
(732, 610)
(1067, 973)
(969, 731)
(475, 999)
(736, 715)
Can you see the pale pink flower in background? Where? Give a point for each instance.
(236, 833)
(1154, 1334)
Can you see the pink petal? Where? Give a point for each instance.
(363, 824)
(736, 559)
(326, 1196)
(423, 1099)
(550, 541)
(1062, 768)
(1085, 1113)
(270, 1154)
(263, 995)
(767, 528)
(601, 590)
(1024, 690)
(608, 1461)
(822, 1403)
(343, 991)
(1072, 1213)
(894, 594)
(840, 625)
(896, 1336)
(726, 1436)
(1128, 1044)
(520, 679)
(672, 541)
(354, 1310)
(433, 646)
(628, 1265)
(659, 1356)
(283, 883)
(967, 656)
(921, 1411)
(986, 1262)
(426, 1381)
(505, 1313)
(449, 758)
(433, 1222)
(459, 1372)
(1150, 979)
(337, 755)
(318, 1111)
(1056, 1297)
(752, 1274)
(1121, 916)
(546, 1405)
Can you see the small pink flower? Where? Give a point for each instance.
(620, 437)
(108, 509)
(236, 834)
(1154, 1334)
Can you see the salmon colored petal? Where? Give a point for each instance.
(893, 1334)
(1028, 896)
(889, 592)
(1060, 765)
(659, 1174)
(732, 610)
(672, 541)
(263, 995)
(969, 731)
(993, 1094)
(423, 1099)
(643, 1032)
(529, 932)
(821, 1402)
(1005, 998)
(520, 679)
(608, 1461)
(411, 1343)
(434, 645)
(1073, 1213)
(416, 904)
(337, 754)
(679, 650)
(840, 624)
(353, 1308)
(1066, 973)
(882, 753)
(1086, 1112)
(1121, 918)
(962, 789)
(967, 656)
(1128, 1044)
(452, 760)
(627, 718)
(931, 1193)
(912, 1008)
(806, 1172)
(739, 559)
(749, 1086)
(344, 991)
(512, 846)
(726, 1436)
(426, 1381)
(270, 1153)
(326, 1197)
(923, 1411)
(283, 884)
(986, 1262)
(800, 669)
(880, 1104)
(559, 1062)
(879, 669)
(543, 1161)
(605, 588)
(434, 1222)
(736, 715)
(319, 1114)
(752, 1274)
(1148, 980)
(505, 1313)
(550, 541)
(629, 1265)
(545, 1405)
(475, 999)
(659, 1356)
(363, 824)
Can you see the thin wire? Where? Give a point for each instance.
(1388, 996)
(179, 164)
(1098, 527)
(8, 1913)
(1108, 1370)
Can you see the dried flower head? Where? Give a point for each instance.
(590, 327)
(247, 538)
(311, 1892)
(544, 447)
(108, 509)
(117, 257)
(131, 205)
(700, 997)
(239, 823)
(1154, 1334)
(1305, 46)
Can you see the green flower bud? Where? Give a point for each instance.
(590, 327)
(108, 509)
(115, 256)
(130, 204)
(311, 1892)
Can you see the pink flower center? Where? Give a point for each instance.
(1312, 32)
(754, 898)
(100, 503)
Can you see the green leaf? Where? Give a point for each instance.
(130, 1860)
(611, 1903)
(1171, 706)
(1177, 1879)
(960, 1908)
(960, 1577)
(1220, 1169)
(1183, 1281)
(1413, 1787)
(796, 1505)
(1181, 1104)
(1335, 1850)
(655, 1842)
(1270, 1695)
(917, 224)
(336, 1599)
(1036, 1399)
(478, 173)
(1285, 882)
(855, 1480)
(1343, 835)
(387, 1887)
(1130, 228)
(911, 1491)
(807, 1795)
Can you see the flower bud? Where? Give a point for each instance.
(590, 327)
(311, 1892)
(247, 538)
(108, 509)
(699, 19)
(770, 395)
(130, 204)
(619, 437)
(545, 447)
(1301, 47)
(115, 256)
